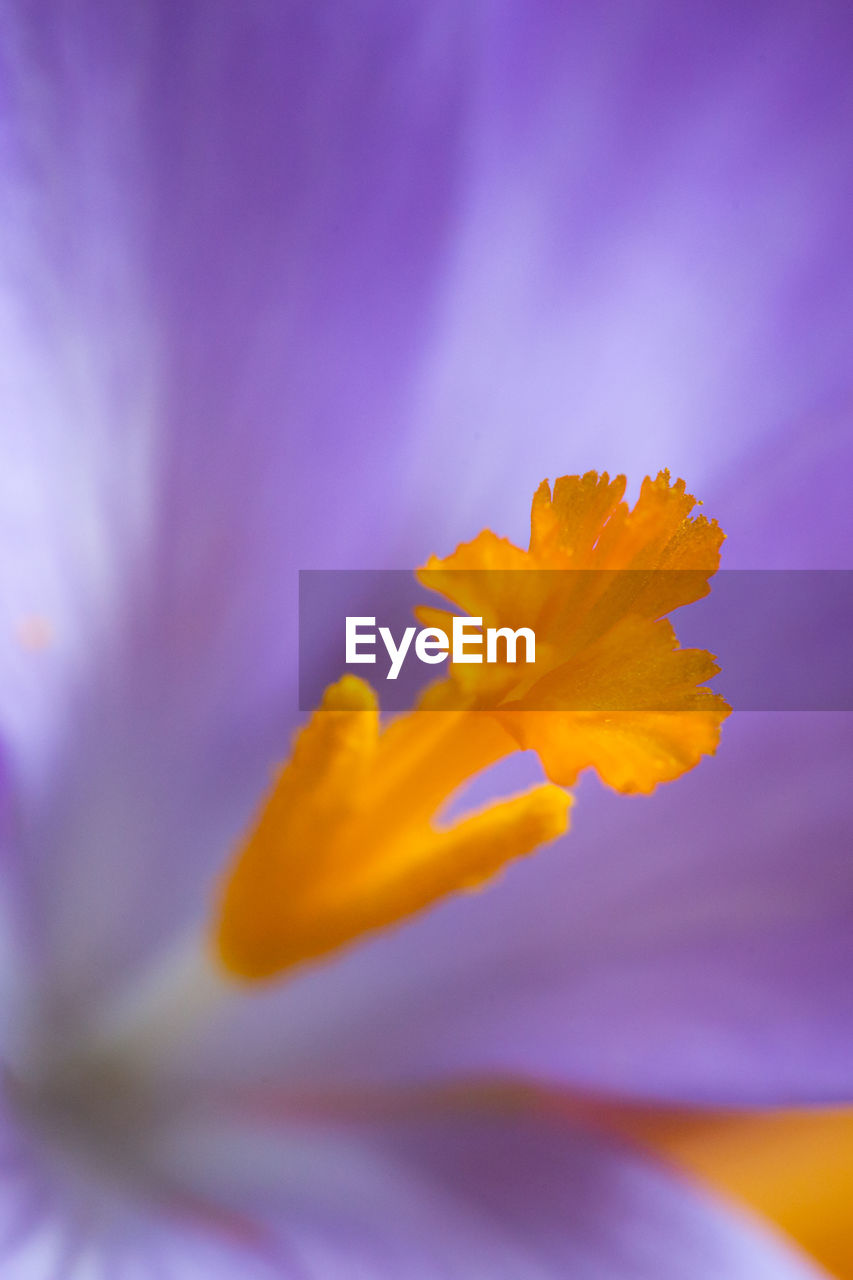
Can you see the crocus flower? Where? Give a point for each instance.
(289, 285)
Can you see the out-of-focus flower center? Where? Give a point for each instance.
(97, 1099)
(100, 1111)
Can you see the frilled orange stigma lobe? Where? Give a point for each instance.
(611, 689)
(347, 841)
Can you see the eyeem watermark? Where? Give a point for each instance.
(432, 644)
(783, 638)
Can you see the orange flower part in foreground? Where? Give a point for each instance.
(348, 841)
(351, 839)
(611, 689)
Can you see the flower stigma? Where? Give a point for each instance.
(348, 841)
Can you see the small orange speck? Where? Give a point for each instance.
(34, 633)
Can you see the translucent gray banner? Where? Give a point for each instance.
(783, 639)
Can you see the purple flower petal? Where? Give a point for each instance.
(465, 1193)
(222, 230)
(654, 264)
(462, 1190)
